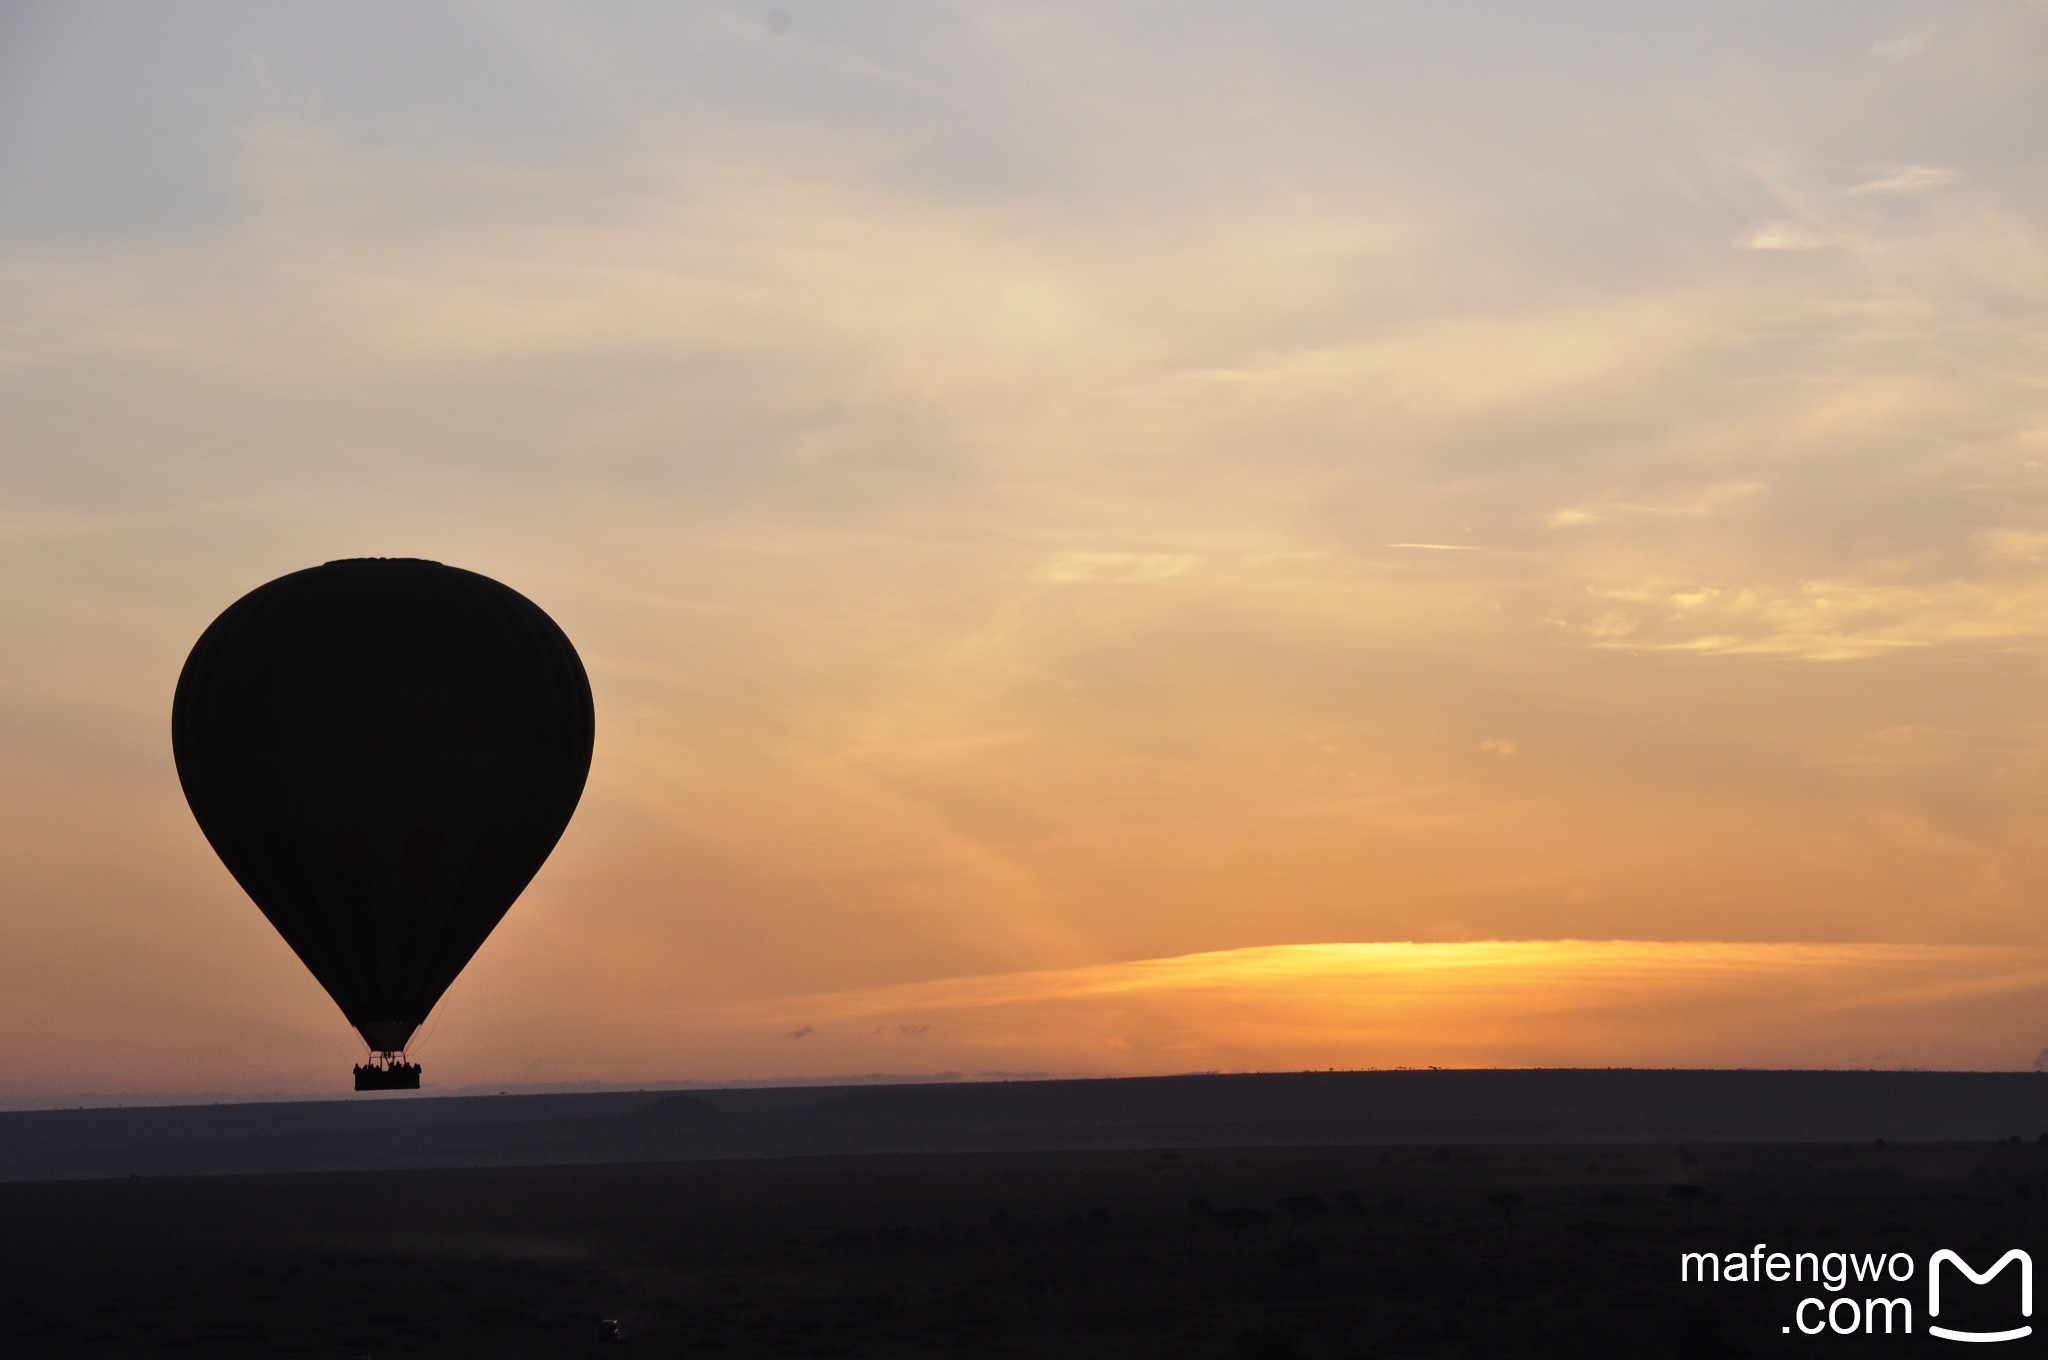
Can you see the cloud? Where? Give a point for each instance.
(1903, 46)
(1695, 503)
(1830, 619)
(1122, 568)
(1907, 179)
(1789, 236)
(801, 1032)
(1498, 746)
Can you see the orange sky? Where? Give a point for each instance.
(1087, 530)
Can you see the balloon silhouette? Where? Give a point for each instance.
(383, 751)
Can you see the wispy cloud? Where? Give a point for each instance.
(1125, 568)
(1907, 180)
(1833, 619)
(1901, 47)
(1696, 503)
(1793, 236)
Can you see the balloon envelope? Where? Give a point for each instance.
(383, 751)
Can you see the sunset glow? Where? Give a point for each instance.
(1492, 1003)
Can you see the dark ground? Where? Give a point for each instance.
(1247, 1110)
(1464, 1251)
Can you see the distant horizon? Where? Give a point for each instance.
(143, 1100)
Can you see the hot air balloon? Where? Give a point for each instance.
(383, 751)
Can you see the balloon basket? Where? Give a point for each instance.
(388, 1075)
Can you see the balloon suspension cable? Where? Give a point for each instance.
(388, 1070)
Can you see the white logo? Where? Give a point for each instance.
(2026, 1293)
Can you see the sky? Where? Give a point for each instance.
(1107, 539)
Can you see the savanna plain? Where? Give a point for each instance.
(1240, 1253)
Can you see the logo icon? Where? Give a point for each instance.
(1934, 1293)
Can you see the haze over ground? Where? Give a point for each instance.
(1090, 530)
